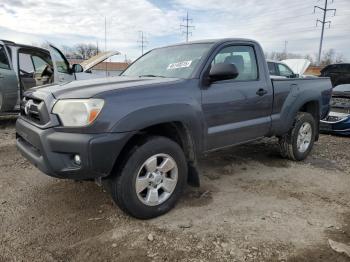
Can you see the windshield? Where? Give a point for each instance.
(174, 61)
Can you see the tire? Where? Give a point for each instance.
(289, 142)
(135, 168)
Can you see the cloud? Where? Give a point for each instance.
(270, 22)
(124, 19)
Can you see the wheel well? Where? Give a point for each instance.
(313, 108)
(175, 131)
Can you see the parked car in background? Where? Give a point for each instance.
(289, 68)
(141, 133)
(23, 67)
(338, 119)
(339, 73)
(90, 64)
(278, 69)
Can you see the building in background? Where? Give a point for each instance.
(314, 70)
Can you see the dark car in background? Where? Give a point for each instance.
(338, 120)
(339, 73)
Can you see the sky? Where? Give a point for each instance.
(272, 23)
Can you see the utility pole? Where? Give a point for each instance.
(105, 34)
(187, 27)
(142, 41)
(323, 22)
(285, 48)
(106, 44)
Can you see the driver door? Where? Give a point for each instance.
(62, 70)
(237, 110)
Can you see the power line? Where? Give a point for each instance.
(187, 27)
(142, 41)
(323, 22)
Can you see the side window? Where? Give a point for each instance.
(25, 63)
(243, 57)
(4, 62)
(284, 71)
(272, 68)
(39, 64)
(61, 63)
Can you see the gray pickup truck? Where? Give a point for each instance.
(141, 133)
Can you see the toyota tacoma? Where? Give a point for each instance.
(141, 133)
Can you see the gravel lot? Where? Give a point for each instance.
(252, 206)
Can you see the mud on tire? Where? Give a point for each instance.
(289, 143)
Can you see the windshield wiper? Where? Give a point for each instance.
(151, 76)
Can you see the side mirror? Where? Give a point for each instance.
(77, 68)
(222, 71)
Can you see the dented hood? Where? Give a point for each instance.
(95, 60)
(298, 66)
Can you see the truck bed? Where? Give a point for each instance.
(289, 93)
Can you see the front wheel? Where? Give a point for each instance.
(152, 178)
(298, 142)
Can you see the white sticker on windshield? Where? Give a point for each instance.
(182, 64)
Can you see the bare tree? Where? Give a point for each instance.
(281, 56)
(310, 58)
(328, 57)
(339, 58)
(67, 51)
(85, 51)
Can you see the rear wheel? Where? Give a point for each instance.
(152, 178)
(298, 142)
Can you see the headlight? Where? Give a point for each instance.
(78, 112)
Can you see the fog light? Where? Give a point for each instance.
(77, 160)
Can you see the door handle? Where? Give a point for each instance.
(261, 92)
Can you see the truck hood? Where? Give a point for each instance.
(92, 87)
(298, 66)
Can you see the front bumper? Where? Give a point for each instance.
(53, 152)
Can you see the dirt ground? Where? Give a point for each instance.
(252, 206)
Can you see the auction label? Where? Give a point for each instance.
(181, 64)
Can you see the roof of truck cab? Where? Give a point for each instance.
(213, 41)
